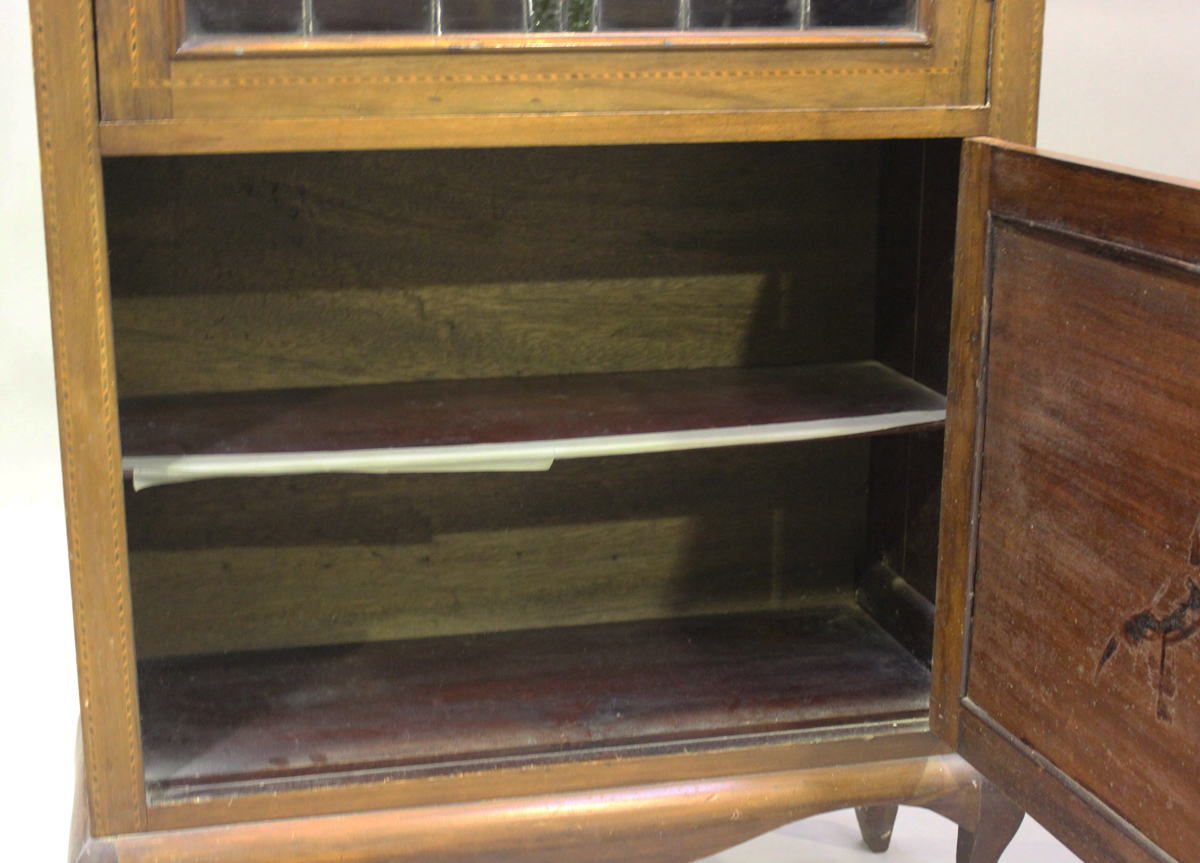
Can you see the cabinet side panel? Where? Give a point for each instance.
(64, 62)
(1016, 69)
(918, 204)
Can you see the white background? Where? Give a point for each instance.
(1121, 83)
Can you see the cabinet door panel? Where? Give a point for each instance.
(1077, 429)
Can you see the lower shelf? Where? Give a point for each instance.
(274, 715)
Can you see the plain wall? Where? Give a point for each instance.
(1120, 84)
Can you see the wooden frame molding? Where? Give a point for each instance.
(959, 492)
(1016, 69)
(154, 103)
(1084, 824)
(87, 410)
(338, 92)
(700, 816)
(523, 130)
(873, 743)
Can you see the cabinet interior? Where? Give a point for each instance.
(309, 627)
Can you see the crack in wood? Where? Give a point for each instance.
(1181, 624)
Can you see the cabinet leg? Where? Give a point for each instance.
(876, 824)
(998, 821)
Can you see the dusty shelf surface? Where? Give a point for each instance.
(317, 712)
(510, 423)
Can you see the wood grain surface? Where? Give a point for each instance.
(259, 715)
(1079, 330)
(244, 564)
(699, 83)
(662, 821)
(1079, 820)
(73, 204)
(1016, 69)
(822, 248)
(1072, 402)
(959, 492)
(262, 272)
(510, 410)
(284, 134)
(1088, 507)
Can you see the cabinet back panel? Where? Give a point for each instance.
(251, 272)
(245, 564)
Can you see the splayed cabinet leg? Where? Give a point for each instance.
(876, 824)
(995, 827)
(987, 820)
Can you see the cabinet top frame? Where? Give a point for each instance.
(160, 93)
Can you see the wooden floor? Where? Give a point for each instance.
(268, 715)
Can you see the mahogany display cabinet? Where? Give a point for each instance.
(500, 430)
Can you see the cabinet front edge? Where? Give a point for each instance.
(178, 137)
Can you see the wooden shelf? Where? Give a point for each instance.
(222, 722)
(511, 423)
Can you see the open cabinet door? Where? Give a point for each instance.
(1067, 665)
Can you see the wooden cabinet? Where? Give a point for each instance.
(554, 442)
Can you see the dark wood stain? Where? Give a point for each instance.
(459, 272)
(918, 210)
(899, 608)
(512, 410)
(252, 563)
(282, 222)
(360, 509)
(1178, 624)
(262, 272)
(1069, 506)
(1088, 502)
(272, 714)
(298, 629)
(1075, 819)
